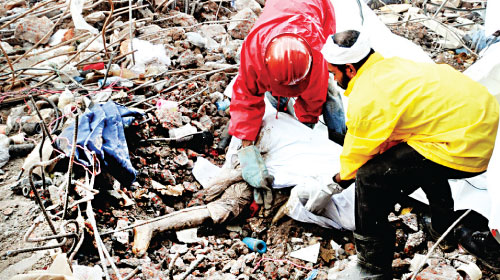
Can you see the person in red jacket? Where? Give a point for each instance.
(281, 58)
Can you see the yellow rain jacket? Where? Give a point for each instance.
(441, 113)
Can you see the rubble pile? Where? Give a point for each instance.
(154, 73)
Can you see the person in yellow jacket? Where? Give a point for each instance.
(409, 125)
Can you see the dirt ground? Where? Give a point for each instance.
(17, 214)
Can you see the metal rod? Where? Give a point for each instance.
(154, 220)
(70, 167)
(37, 196)
(439, 9)
(192, 267)
(44, 126)
(183, 82)
(130, 29)
(112, 7)
(171, 266)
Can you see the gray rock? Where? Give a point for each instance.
(252, 4)
(214, 31)
(238, 266)
(181, 248)
(283, 272)
(196, 39)
(33, 29)
(240, 28)
(230, 49)
(183, 19)
(190, 58)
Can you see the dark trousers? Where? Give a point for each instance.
(399, 171)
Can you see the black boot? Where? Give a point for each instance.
(374, 259)
(448, 244)
(480, 244)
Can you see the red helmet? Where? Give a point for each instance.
(288, 59)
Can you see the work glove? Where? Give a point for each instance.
(319, 200)
(255, 173)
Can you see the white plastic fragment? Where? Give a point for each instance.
(308, 254)
(57, 37)
(76, 9)
(472, 270)
(148, 54)
(188, 236)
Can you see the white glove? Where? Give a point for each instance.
(319, 200)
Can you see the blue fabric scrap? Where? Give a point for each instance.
(102, 131)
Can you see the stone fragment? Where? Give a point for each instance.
(252, 4)
(14, 4)
(206, 122)
(95, 17)
(441, 271)
(196, 39)
(414, 240)
(270, 270)
(33, 29)
(244, 20)
(400, 265)
(174, 34)
(183, 19)
(214, 31)
(283, 272)
(189, 58)
(180, 248)
(181, 159)
(350, 249)
(410, 220)
(230, 49)
(7, 48)
(238, 266)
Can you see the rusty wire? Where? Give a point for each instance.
(33, 188)
(70, 167)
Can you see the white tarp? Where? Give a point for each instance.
(492, 21)
(347, 16)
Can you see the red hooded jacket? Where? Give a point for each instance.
(313, 20)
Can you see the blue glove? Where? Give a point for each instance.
(255, 173)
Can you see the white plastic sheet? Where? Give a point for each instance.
(76, 9)
(492, 21)
(148, 54)
(347, 16)
(486, 70)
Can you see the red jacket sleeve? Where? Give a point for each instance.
(309, 105)
(247, 101)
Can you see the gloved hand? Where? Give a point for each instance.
(317, 203)
(255, 173)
